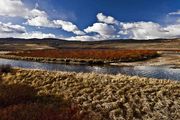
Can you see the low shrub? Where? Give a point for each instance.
(5, 68)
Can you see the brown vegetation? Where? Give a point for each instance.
(11, 44)
(37, 111)
(97, 54)
(15, 94)
(110, 96)
(22, 102)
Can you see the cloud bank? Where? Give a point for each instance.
(106, 27)
(175, 13)
(39, 35)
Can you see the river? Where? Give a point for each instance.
(142, 71)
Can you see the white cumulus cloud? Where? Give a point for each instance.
(12, 8)
(34, 17)
(67, 26)
(173, 31)
(16, 8)
(84, 38)
(149, 30)
(92, 37)
(175, 13)
(106, 19)
(10, 28)
(41, 19)
(106, 27)
(141, 30)
(36, 34)
(101, 28)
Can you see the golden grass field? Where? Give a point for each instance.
(111, 97)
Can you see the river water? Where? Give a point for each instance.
(142, 71)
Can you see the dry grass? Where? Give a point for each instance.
(98, 54)
(115, 97)
(21, 102)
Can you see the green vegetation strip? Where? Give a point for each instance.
(114, 97)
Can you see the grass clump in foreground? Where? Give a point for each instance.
(111, 97)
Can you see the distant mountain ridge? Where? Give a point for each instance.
(36, 40)
(51, 43)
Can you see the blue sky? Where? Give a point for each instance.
(123, 10)
(90, 19)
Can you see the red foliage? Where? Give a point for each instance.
(110, 54)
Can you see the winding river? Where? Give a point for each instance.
(142, 71)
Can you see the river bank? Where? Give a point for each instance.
(167, 58)
(158, 72)
(113, 96)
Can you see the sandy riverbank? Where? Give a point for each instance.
(115, 97)
(166, 59)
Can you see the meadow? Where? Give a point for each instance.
(104, 97)
(22, 102)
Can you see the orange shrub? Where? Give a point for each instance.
(108, 54)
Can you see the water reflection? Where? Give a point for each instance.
(145, 71)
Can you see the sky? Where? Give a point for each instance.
(90, 20)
